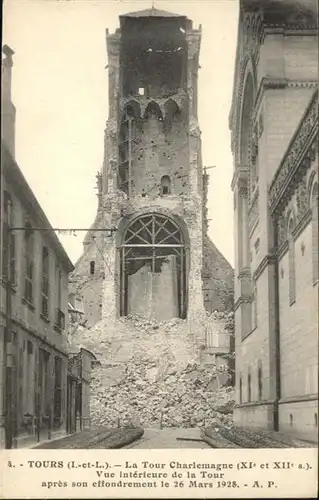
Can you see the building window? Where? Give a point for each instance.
(29, 263)
(44, 377)
(12, 260)
(291, 259)
(45, 282)
(260, 383)
(29, 394)
(59, 314)
(316, 420)
(92, 267)
(58, 287)
(240, 390)
(315, 257)
(249, 388)
(57, 391)
(151, 243)
(165, 185)
(291, 419)
(8, 241)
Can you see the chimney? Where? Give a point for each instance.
(8, 112)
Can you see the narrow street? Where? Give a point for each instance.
(169, 438)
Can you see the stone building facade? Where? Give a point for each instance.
(274, 140)
(78, 389)
(151, 189)
(33, 305)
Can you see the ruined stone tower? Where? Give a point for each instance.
(151, 187)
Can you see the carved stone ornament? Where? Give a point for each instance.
(254, 145)
(302, 199)
(260, 124)
(292, 161)
(253, 211)
(281, 231)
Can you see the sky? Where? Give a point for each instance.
(60, 90)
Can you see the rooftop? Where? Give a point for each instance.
(151, 13)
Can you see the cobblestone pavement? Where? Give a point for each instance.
(168, 438)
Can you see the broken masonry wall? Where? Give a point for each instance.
(218, 279)
(160, 149)
(138, 290)
(188, 209)
(163, 293)
(104, 249)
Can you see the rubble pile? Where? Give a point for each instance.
(150, 374)
(189, 398)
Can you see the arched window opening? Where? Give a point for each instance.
(249, 388)
(260, 383)
(245, 139)
(291, 420)
(153, 110)
(132, 109)
(128, 131)
(315, 250)
(291, 258)
(153, 268)
(316, 420)
(92, 267)
(245, 130)
(172, 114)
(240, 390)
(165, 185)
(29, 262)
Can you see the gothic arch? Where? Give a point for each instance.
(248, 76)
(127, 219)
(153, 108)
(147, 243)
(289, 222)
(311, 185)
(132, 108)
(245, 120)
(171, 108)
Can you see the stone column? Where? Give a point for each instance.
(110, 164)
(194, 220)
(109, 302)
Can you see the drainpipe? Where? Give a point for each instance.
(277, 329)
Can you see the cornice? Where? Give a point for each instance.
(243, 299)
(301, 225)
(267, 83)
(282, 250)
(256, 403)
(40, 337)
(268, 260)
(298, 399)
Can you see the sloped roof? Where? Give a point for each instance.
(151, 13)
